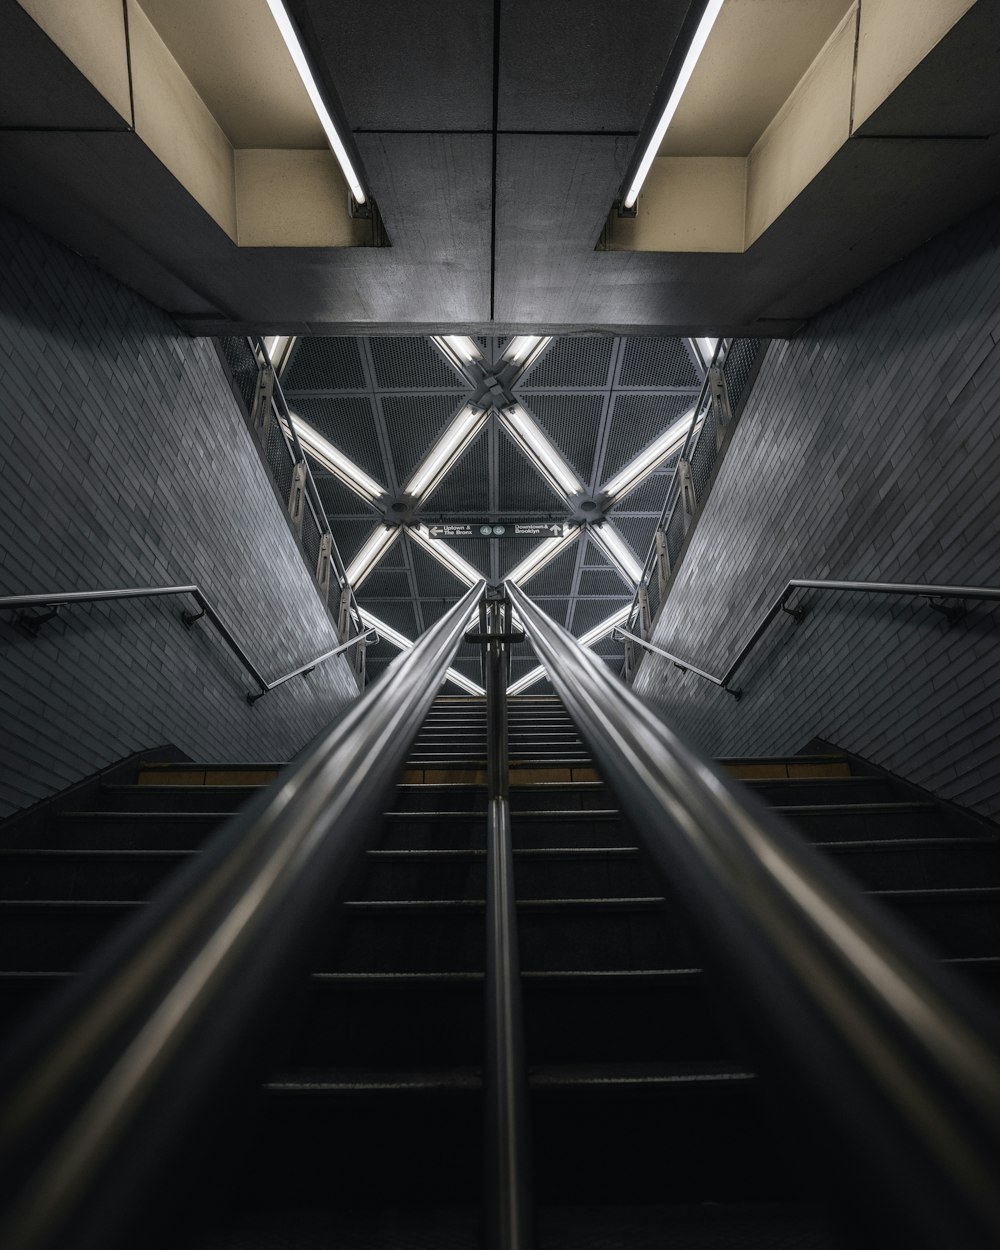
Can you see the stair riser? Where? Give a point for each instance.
(831, 825)
(175, 799)
(455, 942)
(337, 1149)
(533, 878)
(164, 833)
(922, 869)
(412, 833)
(405, 1026)
(41, 877)
(824, 790)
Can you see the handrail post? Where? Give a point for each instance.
(324, 564)
(507, 1206)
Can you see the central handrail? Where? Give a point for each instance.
(67, 598)
(917, 589)
(901, 1061)
(107, 1092)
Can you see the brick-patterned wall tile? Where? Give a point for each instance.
(869, 451)
(124, 461)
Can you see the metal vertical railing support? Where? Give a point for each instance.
(324, 566)
(297, 496)
(507, 1209)
(262, 412)
(662, 558)
(720, 402)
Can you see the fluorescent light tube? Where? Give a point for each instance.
(333, 458)
(445, 555)
(541, 452)
(591, 636)
(519, 347)
(464, 683)
(445, 452)
(527, 680)
(605, 627)
(618, 549)
(706, 349)
(371, 552)
(536, 560)
(291, 38)
(651, 457)
(683, 78)
(399, 640)
(465, 347)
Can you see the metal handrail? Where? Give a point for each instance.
(58, 599)
(507, 1216)
(898, 1057)
(916, 589)
(106, 1093)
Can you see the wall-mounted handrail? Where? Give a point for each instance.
(916, 589)
(898, 1058)
(104, 1096)
(59, 599)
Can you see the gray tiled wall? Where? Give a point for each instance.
(868, 451)
(124, 461)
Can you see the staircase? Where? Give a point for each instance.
(649, 1123)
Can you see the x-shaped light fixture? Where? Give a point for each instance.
(492, 390)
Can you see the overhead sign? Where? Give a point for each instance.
(489, 529)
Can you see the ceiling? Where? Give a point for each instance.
(384, 402)
(494, 136)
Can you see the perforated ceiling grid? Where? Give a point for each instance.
(409, 394)
(465, 491)
(523, 487)
(572, 362)
(412, 364)
(413, 424)
(573, 422)
(324, 364)
(349, 423)
(649, 362)
(637, 421)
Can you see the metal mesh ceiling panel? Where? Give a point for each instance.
(433, 610)
(590, 612)
(638, 532)
(607, 581)
(522, 487)
(649, 495)
(573, 422)
(337, 498)
(636, 420)
(414, 423)
(556, 608)
(324, 364)
(412, 364)
(556, 578)
(467, 486)
(433, 580)
(350, 535)
(400, 616)
(610, 647)
(513, 551)
(657, 362)
(348, 422)
(572, 362)
(475, 550)
(383, 583)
